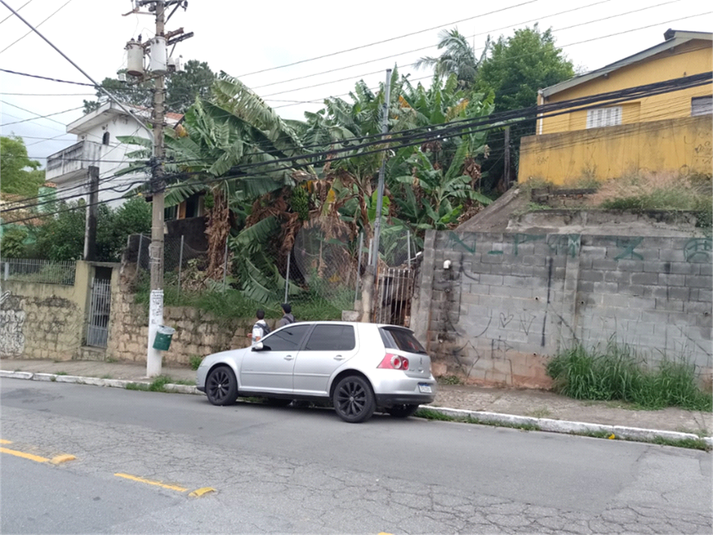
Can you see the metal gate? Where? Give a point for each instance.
(394, 293)
(98, 327)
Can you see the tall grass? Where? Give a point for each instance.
(619, 373)
(232, 304)
(670, 191)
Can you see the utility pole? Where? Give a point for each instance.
(506, 155)
(90, 229)
(158, 186)
(159, 64)
(371, 275)
(380, 187)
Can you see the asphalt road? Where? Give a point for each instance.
(139, 455)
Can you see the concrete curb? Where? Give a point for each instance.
(95, 381)
(494, 418)
(570, 428)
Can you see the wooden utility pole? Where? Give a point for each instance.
(158, 187)
(90, 229)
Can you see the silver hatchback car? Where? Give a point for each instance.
(359, 367)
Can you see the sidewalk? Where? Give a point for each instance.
(502, 406)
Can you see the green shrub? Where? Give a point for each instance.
(619, 373)
(195, 361)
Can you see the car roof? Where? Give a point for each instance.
(355, 323)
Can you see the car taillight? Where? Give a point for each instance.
(394, 362)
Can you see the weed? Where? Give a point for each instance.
(449, 380)
(231, 304)
(690, 443)
(183, 382)
(61, 373)
(159, 383)
(195, 361)
(111, 360)
(137, 386)
(107, 376)
(544, 412)
(430, 414)
(641, 192)
(620, 374)
(537, 207)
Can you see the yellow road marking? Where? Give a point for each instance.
(200, 492)
(24, 455)
(59, 459)
(3, 441)
(149, 482)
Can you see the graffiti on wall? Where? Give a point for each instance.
(515, 316)
(12, 321)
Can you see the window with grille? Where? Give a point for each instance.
(600, 117)
(701, 106)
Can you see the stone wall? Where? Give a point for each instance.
(508, 302)
(43, 321)
(198, 333)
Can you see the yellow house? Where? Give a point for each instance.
(669, 131)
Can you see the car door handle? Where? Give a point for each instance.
(338, 357)
(289, 357)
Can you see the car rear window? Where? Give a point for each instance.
(331, 338)
(402, 339)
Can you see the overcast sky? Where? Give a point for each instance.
(243, 37)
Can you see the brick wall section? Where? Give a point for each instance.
(510, 301)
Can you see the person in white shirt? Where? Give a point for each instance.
(260, 329)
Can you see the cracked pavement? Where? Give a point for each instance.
(303, 471)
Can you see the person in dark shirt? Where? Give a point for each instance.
(287, 318)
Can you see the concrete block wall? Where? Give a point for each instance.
(509, 301)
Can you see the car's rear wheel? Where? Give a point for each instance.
(353, 399)
(402, 411)
(278, 402)
(221, 386)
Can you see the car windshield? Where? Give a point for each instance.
(403, 339)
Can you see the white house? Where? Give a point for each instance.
(97, 145)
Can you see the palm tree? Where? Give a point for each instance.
(219, 137)
(458, 58)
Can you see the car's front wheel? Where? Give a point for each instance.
(402, 411)
(353, 399)
(221, 386)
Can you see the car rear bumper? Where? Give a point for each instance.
(389, 400)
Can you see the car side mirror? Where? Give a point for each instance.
(258, 346)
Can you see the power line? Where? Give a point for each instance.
(331, 54)
(43, 116)
(40, 24)
(468, 37)
(38, 116)
(19, 8)
(316, 101)
(455, 128)
(48, 94)
(112, 97)
(46, 78)
(431, 46)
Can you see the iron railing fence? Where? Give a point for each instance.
(37, 270)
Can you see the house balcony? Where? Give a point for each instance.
(73, 162)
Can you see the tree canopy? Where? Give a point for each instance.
(518, 66)
(182, 88)
(19, 174)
